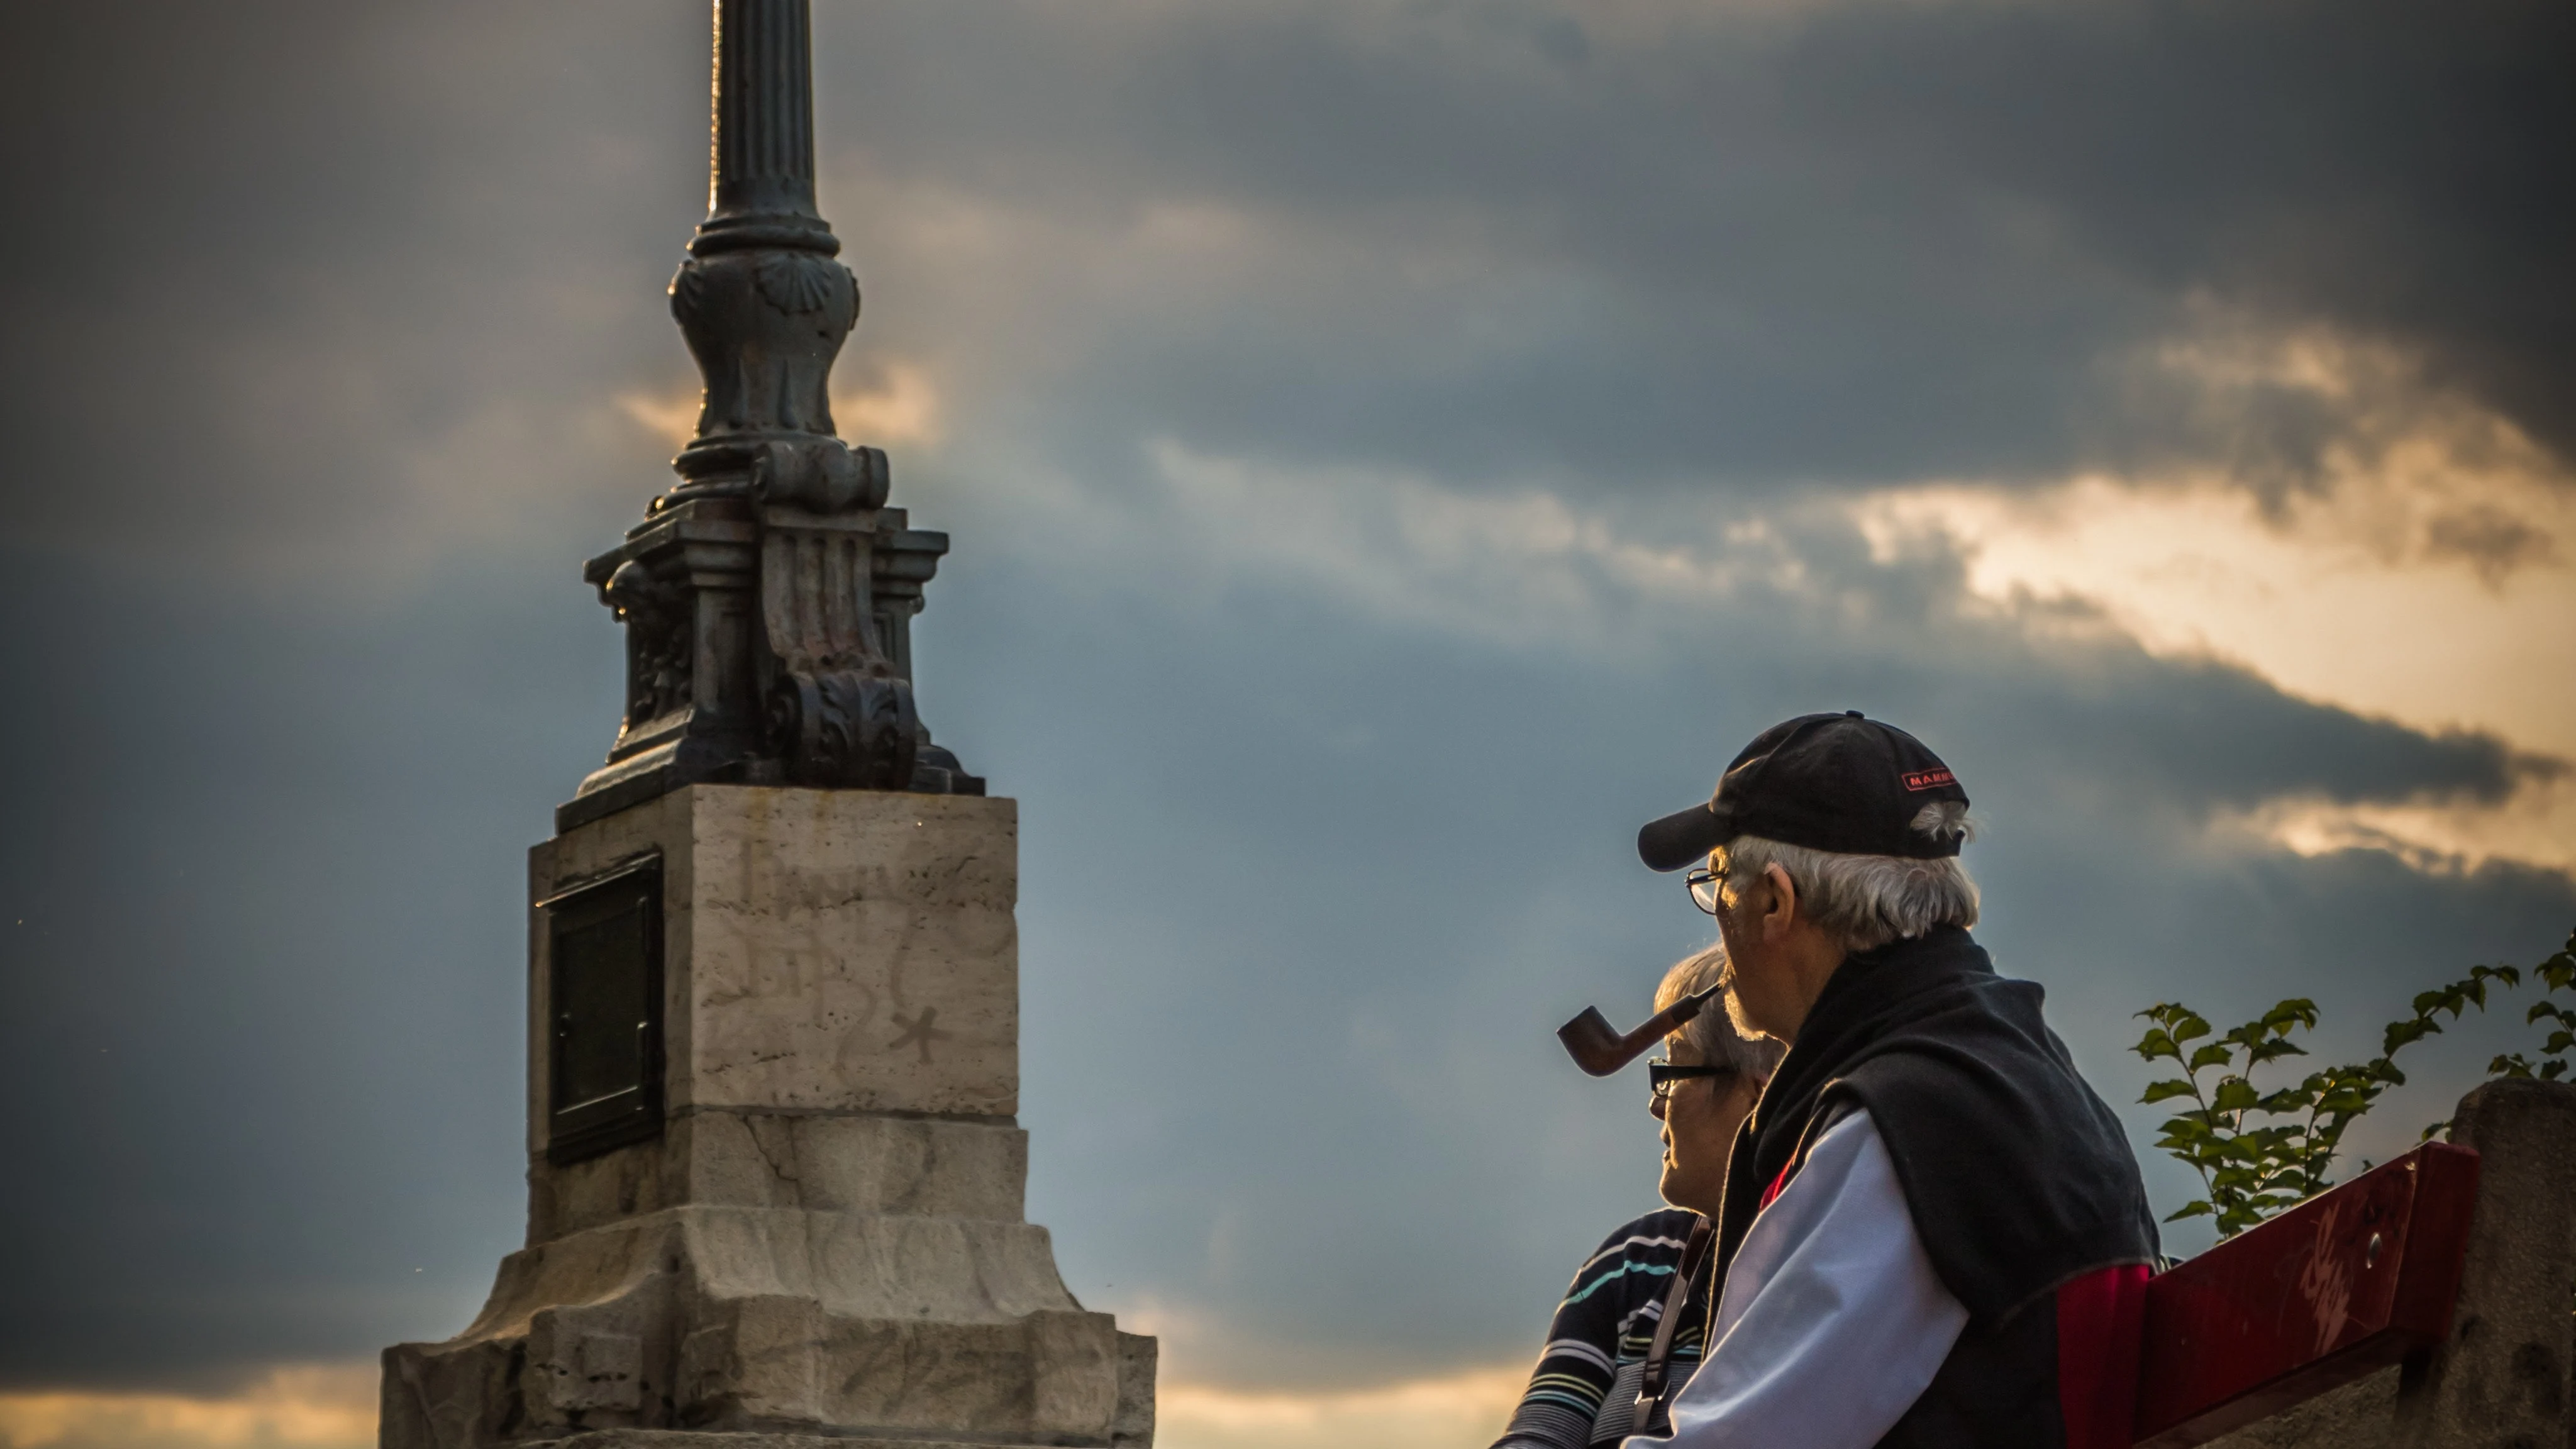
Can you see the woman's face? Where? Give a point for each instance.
(1699, 1120)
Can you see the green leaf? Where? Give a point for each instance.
(2212, 1055)
(2235, 1094)
(2297, 1009)
(2405, 1033)
(2189, 1210)
(2160, 1091)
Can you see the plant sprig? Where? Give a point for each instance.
(2258, 1152)
(2556, 974)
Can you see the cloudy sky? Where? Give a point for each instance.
(1392, 449)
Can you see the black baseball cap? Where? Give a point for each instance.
(1835, 782)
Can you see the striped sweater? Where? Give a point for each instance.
(1584, 1390)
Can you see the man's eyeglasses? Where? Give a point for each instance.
(1704, 885)
(1662, 1077)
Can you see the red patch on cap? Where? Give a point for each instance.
(1929, 779)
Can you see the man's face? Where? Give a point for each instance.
(1753, 991)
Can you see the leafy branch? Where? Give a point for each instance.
(2258, 1151)
(2555, 975)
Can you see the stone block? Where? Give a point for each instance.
(832, 1163)
(825, 950)
(776, 1319)
(715, 1439)
(1073, 1372)
(755, 1361)
(1138, 1360)
(577, 1366)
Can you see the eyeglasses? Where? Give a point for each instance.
(1704, 885)
(1662, 1077)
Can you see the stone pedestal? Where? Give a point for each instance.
(825, 1239)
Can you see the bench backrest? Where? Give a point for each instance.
(2350, 1281)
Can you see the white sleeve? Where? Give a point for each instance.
(1832, 1321)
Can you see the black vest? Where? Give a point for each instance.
(2018, 1178)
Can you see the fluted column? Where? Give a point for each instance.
(763, 163)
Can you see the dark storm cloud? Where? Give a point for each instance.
(348, 290)
(262, 1095)
(333, 279)
(1840, 243)
(1843, 243)
(2382, 167)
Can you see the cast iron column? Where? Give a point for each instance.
(768, 595)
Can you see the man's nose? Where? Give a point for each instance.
(1655, 1105)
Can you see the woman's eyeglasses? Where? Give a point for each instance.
(1662, 1077)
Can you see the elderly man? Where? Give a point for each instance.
(1933, 1231)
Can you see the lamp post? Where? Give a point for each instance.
(776, 1178)
(768, 595)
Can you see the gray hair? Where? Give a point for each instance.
(1870, 900)
(1715, 1035)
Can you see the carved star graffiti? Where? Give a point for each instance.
(919, 1031)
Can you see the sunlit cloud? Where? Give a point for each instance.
(334, 1407)
(2419, 571)
(2314, 597)
(2536, 825)
(898, 407)
(312, 1406)
(671, 417)
(1463, 1410)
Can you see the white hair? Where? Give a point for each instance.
(1869, 900)
(1719, 1040)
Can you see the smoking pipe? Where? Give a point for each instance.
(1600, 1051)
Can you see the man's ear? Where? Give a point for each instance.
(1784, 902)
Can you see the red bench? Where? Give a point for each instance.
(2346, 1283)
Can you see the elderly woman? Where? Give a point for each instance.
(1584, 1390)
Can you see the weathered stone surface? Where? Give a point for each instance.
(698, 1439)
(2361, 1415)
(855, 950)
(867, 1163)
(2503, 1380)
(827, 1237)
(826, 950)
